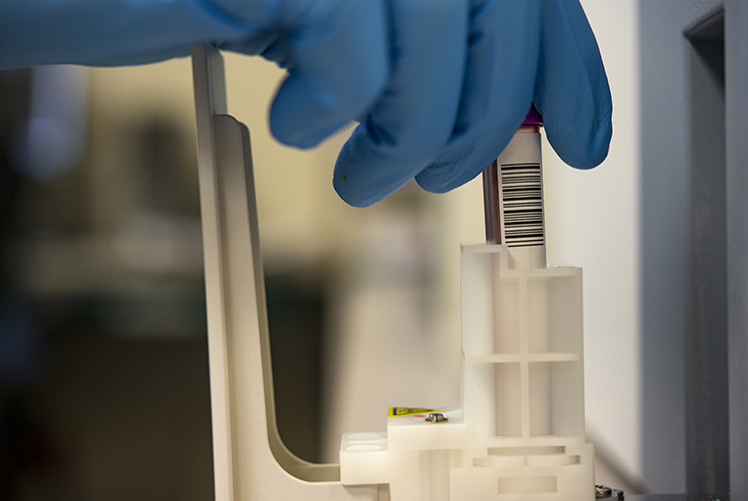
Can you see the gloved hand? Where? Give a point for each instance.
(440, 85)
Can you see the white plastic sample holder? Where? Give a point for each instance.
(520, 433)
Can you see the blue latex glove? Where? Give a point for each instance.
(441, 85)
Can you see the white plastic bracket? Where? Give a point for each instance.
(250, 460)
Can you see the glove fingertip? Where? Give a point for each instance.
(581, 142)
(443, 178)
(434, 181)
(289, 133)
(346, 180)
(599, 149)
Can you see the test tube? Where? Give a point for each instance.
(513, 197)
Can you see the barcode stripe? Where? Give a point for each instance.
(522, 204)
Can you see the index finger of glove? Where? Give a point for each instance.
(337, 66)
(499, 82)
(415, 116)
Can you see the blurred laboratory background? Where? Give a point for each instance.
(104, 391)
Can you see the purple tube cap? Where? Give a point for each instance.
(533, 117)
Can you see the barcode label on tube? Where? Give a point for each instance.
(522, 204)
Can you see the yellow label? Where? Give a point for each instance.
(409, 411)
